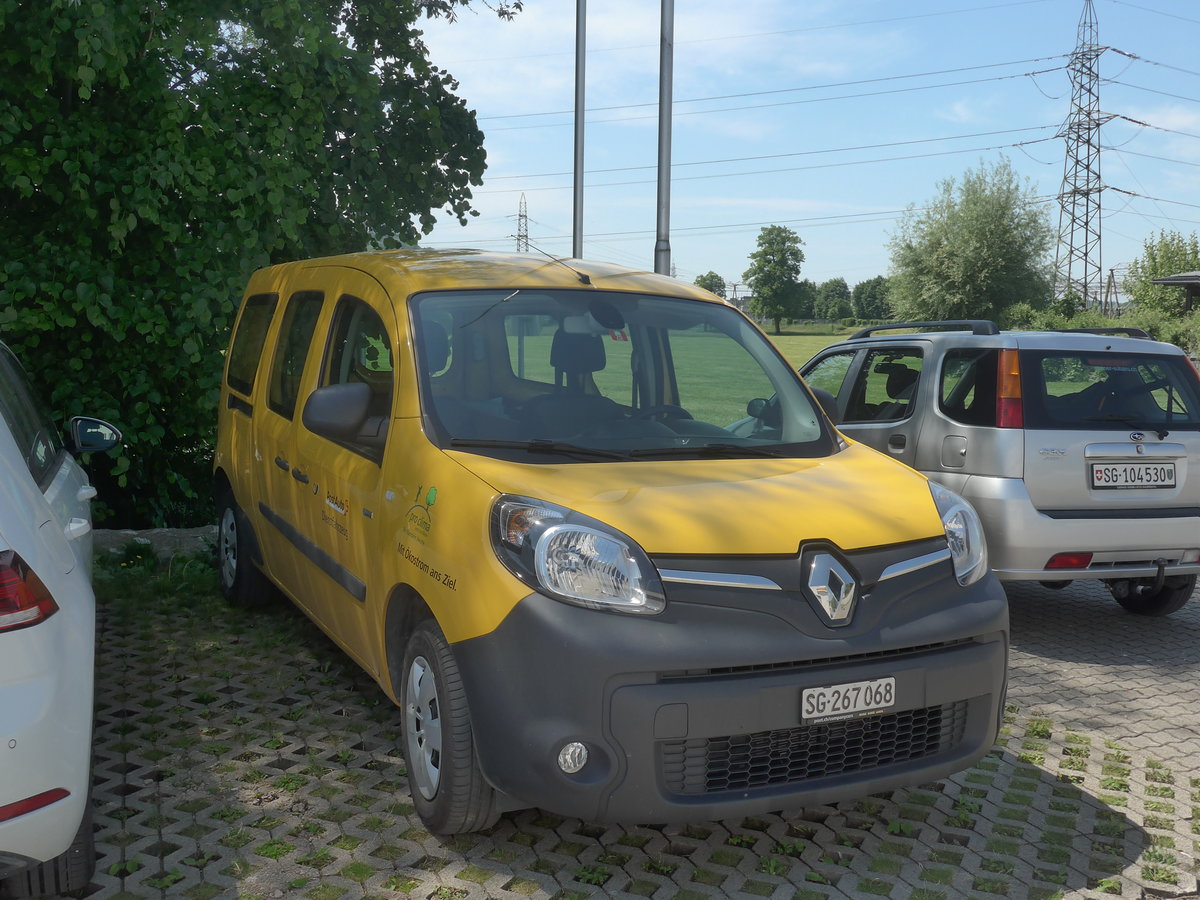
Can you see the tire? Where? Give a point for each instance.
(242, 582)
(70, 871)
(1141, 599)
(447, 787)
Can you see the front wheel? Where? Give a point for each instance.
(242, 582)
(1141, 598)
(448, 789)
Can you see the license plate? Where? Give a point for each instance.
(1124, 476)
(845, 701)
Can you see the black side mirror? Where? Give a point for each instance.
(337, 411)
(90, 435)
(828, 403)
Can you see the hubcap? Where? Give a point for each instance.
(228, 547)
(423, 725)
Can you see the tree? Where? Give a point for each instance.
(713, 282)
(981, 245)
(154, 154)
(833, 300)
(774, 274)
(869, 299)
(1170, 253)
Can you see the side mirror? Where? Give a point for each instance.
(90, 435)
(337, 411)
(828, 403)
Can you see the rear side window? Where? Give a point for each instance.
(248, 341)
(885, 386)
(38, 443)
(295, 336)
(968, 386)
(1100, 390)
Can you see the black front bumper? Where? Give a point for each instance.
(695, 714)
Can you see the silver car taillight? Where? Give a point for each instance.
(24, 600)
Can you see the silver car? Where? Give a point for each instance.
(1075, 447)
(47, 636)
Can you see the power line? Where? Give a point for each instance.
(832, 165)
(809, 87)
(710, 162)
(723, 109)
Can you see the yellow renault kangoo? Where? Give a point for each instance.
(596, 539)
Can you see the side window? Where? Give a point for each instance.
(885, 386)
(295, 336)
(361, 351)
(248, 341)
(968, 388)
(36, 439)
(830, 373)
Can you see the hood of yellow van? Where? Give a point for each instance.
(855, 498)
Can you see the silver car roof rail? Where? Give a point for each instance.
(1114, 331)
(976, 326)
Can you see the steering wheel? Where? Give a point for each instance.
(669, 410)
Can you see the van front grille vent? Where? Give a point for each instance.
(794, 755)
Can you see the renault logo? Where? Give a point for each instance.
(833, 587)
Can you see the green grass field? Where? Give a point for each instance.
(799, 348)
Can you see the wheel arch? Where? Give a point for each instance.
(406, 609)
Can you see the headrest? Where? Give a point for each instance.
(900, 378)
(577, 354)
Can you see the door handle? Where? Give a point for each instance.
(282, 463)
(299, 476)
(897, 442)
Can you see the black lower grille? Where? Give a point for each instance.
(793, 755)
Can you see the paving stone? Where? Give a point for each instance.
(241, 755)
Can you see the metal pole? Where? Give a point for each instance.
(662, 246)
(580, 59)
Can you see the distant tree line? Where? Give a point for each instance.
(981, 248)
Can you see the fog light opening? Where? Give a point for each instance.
(572, 757)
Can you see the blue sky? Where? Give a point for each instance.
(829, 116)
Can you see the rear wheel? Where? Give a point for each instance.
(71, 871)
(242, 583)
(1142, 598)
(448, 789)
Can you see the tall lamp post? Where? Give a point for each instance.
(662, 243)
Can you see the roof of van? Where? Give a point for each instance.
(446, 269)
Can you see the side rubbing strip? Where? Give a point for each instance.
(353, 585)
(719, 579)
(912, 565)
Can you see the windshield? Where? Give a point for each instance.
(592, 376)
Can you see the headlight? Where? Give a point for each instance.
(964, 534)
(574, 558)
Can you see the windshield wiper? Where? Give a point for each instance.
(722, 450)
(1144, 426)
(539, 446)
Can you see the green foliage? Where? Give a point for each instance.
(774, 274)
(980, 245)
(1170, 253)
(832, 300)
(1183, 330)
(713, 282)
(869, 299)
(154, 155)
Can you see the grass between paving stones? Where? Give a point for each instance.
(240, 754)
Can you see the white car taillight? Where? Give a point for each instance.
(24, 600)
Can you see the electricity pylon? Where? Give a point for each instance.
(1078, 260)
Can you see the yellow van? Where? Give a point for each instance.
(593, 535)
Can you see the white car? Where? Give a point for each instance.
(47, 640)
